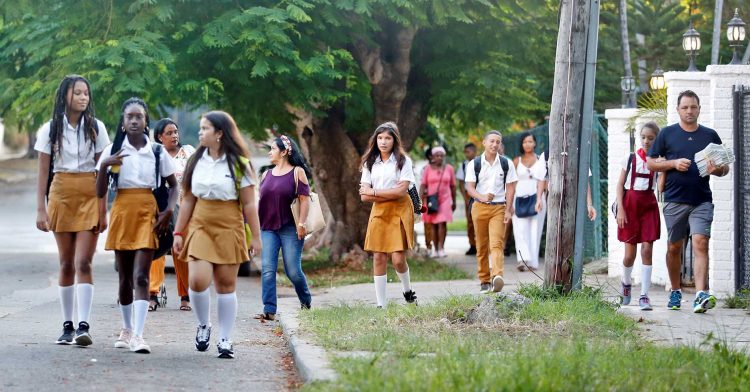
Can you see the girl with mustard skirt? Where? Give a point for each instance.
(69, 147)
(386, 176)
(218, 192)
(130, 164)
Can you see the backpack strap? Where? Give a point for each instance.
(503, 165)
(156, 148)
(477, 168)
(239, 172)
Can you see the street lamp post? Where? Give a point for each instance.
(691, 43)
(627, 85)
(657, 81)
(736, 34)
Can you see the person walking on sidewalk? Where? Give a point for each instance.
(438, 191)
(490, 181)
(638, 219)
(387, 173)
(470, 152)
(131, 167)
(688, 200)
(427, 226)
(279, 187)
(528, 219)
(69, 146)
(218, 191)
(167, 134)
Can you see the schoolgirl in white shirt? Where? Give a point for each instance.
(69, 146)
(130, 165)
(218, 197)
(386, 176)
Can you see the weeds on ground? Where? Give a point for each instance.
(741, 300)
(321, 272)
(557, 341)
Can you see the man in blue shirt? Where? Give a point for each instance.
(688, 206)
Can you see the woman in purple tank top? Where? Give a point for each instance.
(278, 189)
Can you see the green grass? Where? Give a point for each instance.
(577, 342)
(739, 301)
(457, 225)
(322, 272)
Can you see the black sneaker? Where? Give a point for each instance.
(68, 333)
(225, 349)
(471, 252)
(305, 306)
(83, 338)
(202, 337)
(410, 297)
(485, 288)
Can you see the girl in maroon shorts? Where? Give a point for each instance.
(638, 215)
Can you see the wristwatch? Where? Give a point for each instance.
(302, 225)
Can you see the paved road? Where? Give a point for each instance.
(30, 321)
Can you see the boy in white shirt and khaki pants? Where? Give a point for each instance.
(489, 211)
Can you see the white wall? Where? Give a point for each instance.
(714, 87)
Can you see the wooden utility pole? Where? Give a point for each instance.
(574, 74)
(625, 47)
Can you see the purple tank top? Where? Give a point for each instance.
(276, 196)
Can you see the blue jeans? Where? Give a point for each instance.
(284, 239)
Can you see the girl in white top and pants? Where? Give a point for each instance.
(218, 192)
(527, 231)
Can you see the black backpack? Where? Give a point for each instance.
(503, 164)
(161, 194)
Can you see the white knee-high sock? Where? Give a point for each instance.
(627, 275)
(645, 279)
(67, 294)
(405, 280)
(85, 292)
(127, 316)
(201, 301)
(380, 282)
(227, 309)
(140, 310)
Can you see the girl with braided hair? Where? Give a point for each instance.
(130, 164)
(69, 146)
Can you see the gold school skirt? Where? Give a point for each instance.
(73, 205)
(391, 226)
(131, 221)
(216, 233)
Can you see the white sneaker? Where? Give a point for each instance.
(124, 340)
(138, 345)
(226, 350)
(441, 254)
(433, 254)
(497, 284)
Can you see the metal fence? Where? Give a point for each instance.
(595, 233)
(742, 185)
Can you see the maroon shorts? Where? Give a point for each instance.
(642, 213)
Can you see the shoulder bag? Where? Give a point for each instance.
(315, 220)
(433, 200)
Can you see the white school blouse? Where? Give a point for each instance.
(213, 181)
(76, 155)
(138, 167)
(385, 175)
(641, 184)
(491, 177)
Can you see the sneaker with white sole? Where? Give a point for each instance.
(410, 297)
(226, 350)
(68, 334)
(124, 340)
(83, 338)
(644, 303)
(202, 337)
(497, 284)
(485, 288)
(703, 302)
(138, 345)
(625, 290)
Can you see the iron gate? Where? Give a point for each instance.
(742, 186)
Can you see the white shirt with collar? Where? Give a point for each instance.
(76, 155)
(213, 181)
(138, 168)
(491, 177)
(385, 175)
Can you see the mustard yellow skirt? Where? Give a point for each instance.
(131, 221)
(216, 233)
(391, 226)
(73, 205)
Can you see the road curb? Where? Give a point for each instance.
(311, 360)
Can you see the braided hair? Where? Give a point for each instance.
(120, 133)
(58, 114)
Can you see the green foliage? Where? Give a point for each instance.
(741, 300)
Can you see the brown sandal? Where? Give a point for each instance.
(265, 316)
(185, 305)
(153, 303)
(521, 267)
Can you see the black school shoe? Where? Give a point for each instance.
(83, 338)
(410, 297)
(68, 333)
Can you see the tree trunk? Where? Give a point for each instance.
(565, 125)
(746, 57)
(624, 38)
(716, 38)
(31, 153)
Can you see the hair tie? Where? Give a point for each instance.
(286, 142)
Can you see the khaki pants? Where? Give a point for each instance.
(490, 239)
(157, 275)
